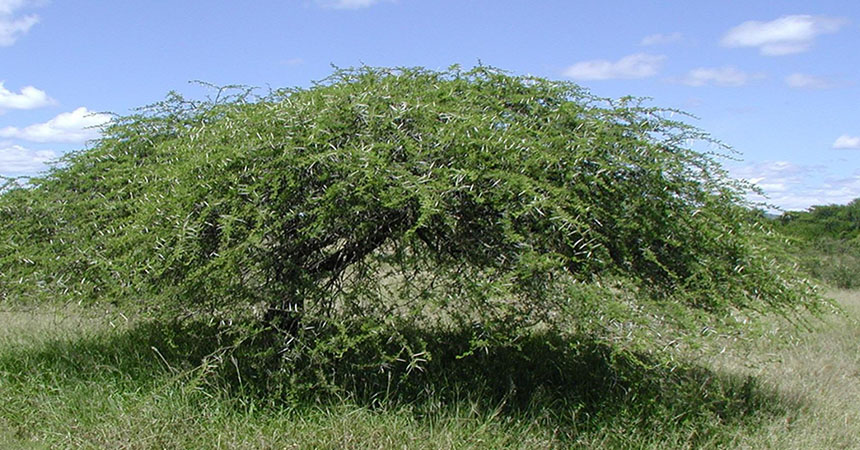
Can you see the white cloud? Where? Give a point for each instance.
(661, 39)
(293, 61)
(639, 65)
(841, 190)
(16, 160)
(28, 98)
(718, 76)
(693, 102)
(11, 27)
(846, 141)
(76, 126)
(805, 81)
(347, 4)
(776, 174)
(8, 7)
(783, 182)
(783, 36)
(797, 187)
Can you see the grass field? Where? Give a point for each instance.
(71, 380)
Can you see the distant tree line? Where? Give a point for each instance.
(827, 241)
(833, 221)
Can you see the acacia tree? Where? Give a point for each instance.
(381, 198)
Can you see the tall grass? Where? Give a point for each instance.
(68, 379)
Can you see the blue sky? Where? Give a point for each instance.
(777, 80)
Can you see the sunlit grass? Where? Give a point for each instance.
(71, 380)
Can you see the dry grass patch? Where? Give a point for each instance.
(818, 372)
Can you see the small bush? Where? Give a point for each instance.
(378, 201)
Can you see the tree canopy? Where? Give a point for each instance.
(382, 197)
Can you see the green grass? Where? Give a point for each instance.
(69, 379)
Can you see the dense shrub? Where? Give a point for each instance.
(384, 200)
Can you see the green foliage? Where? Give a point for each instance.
(832, 221)
(384, 200)
(834, 261)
